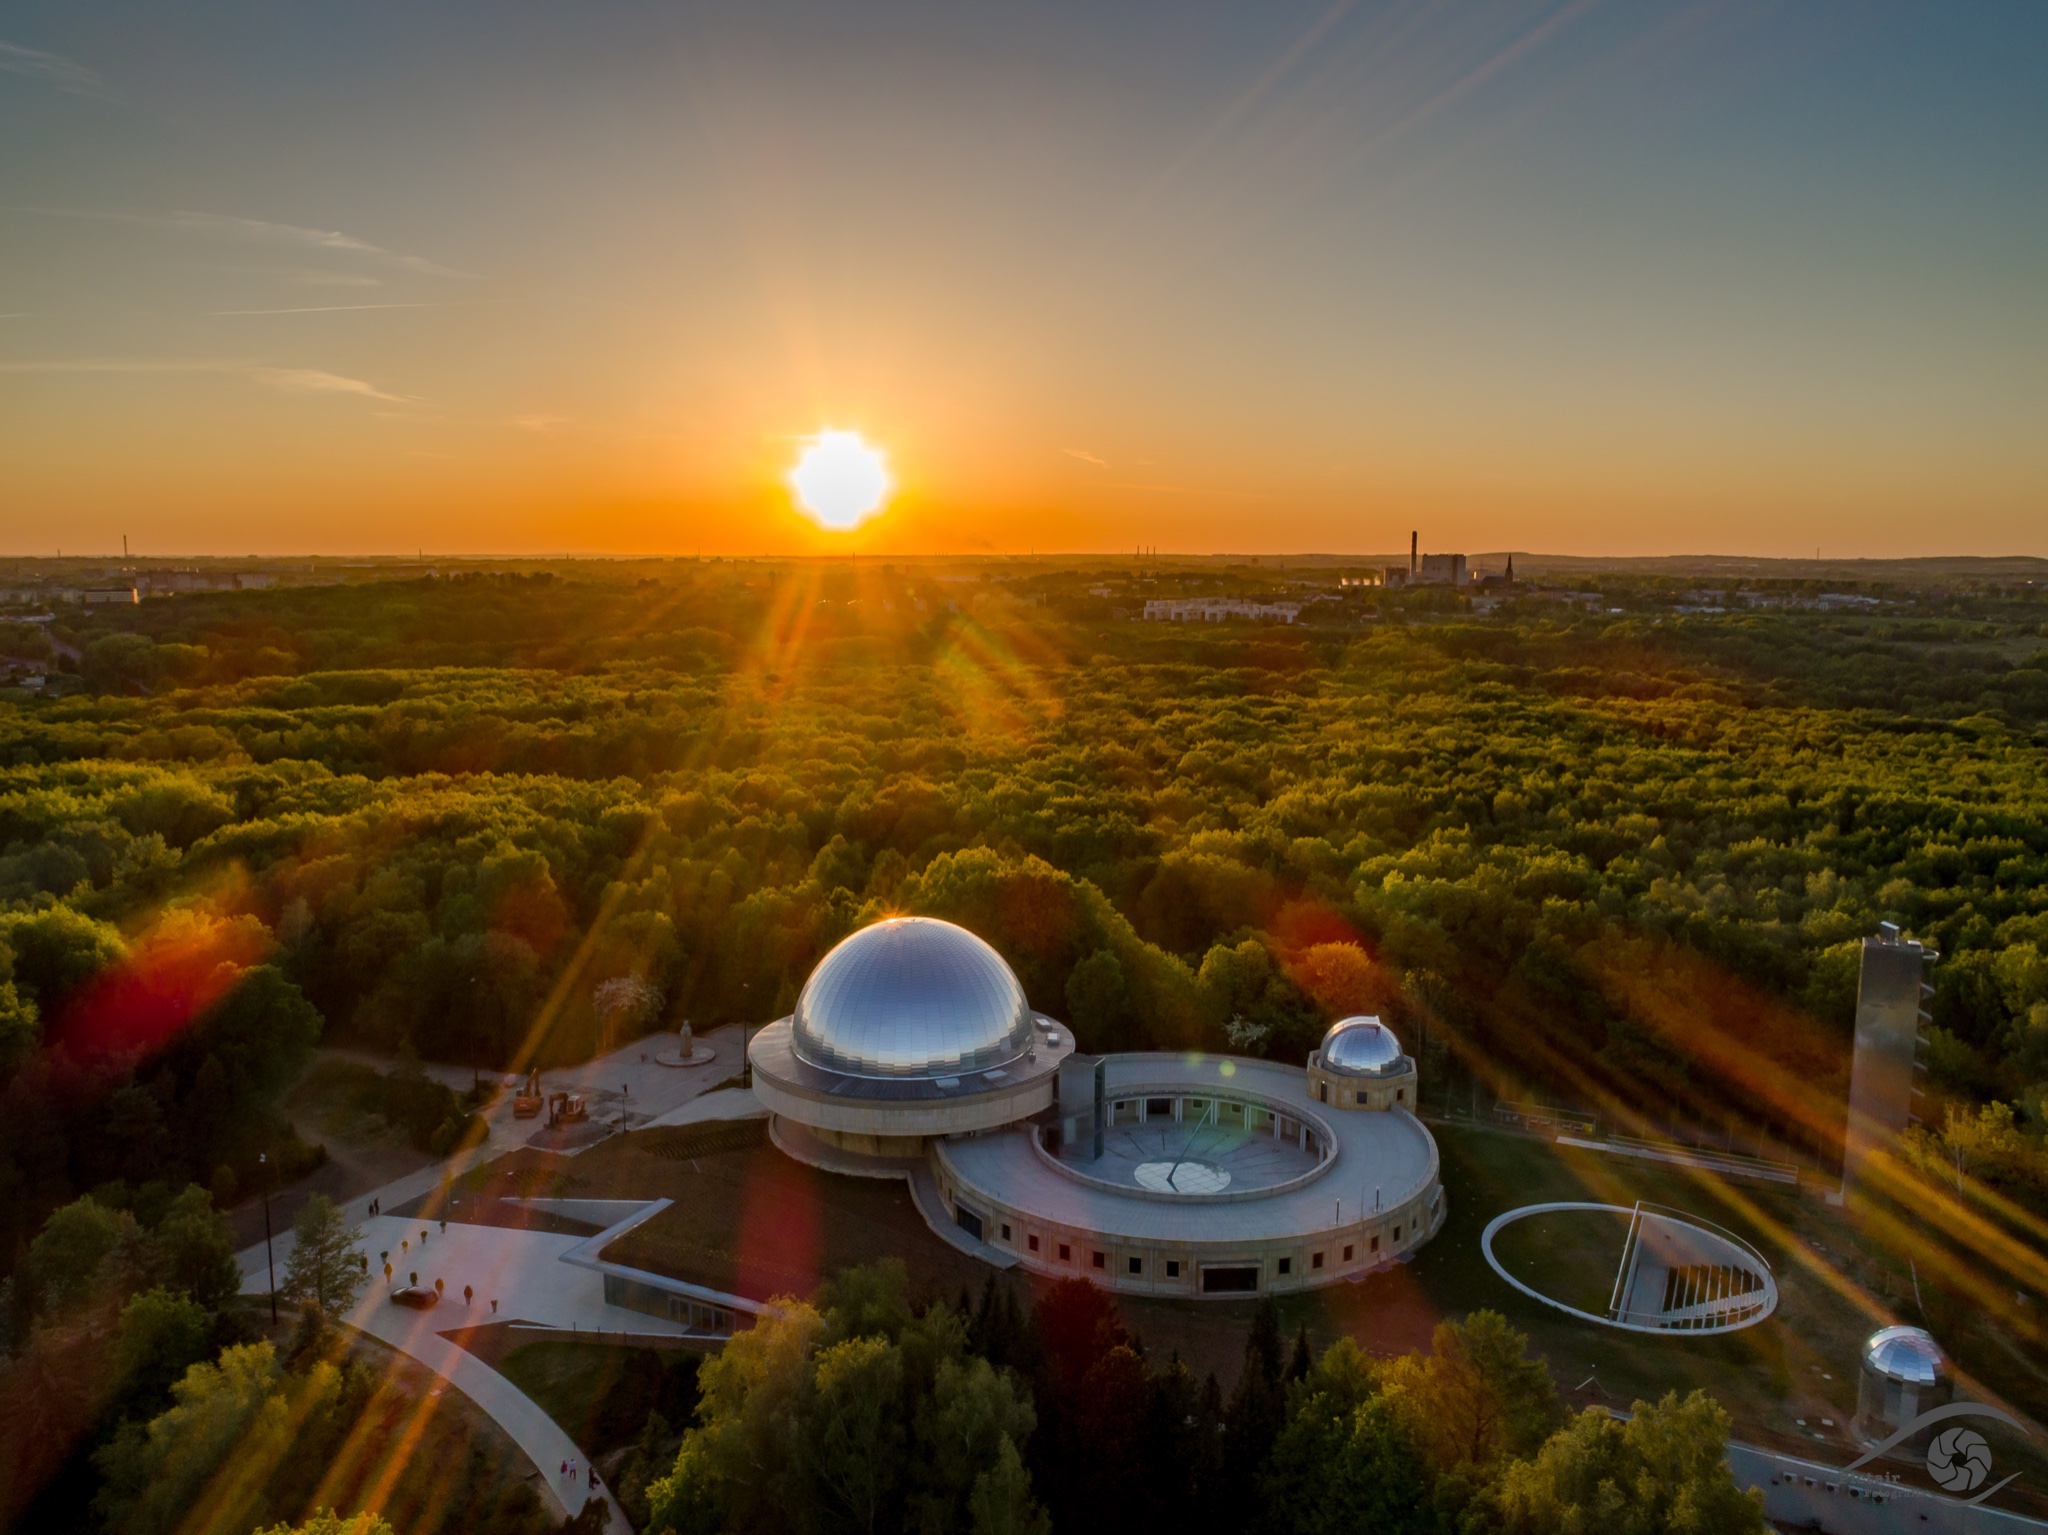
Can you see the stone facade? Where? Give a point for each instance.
(1339, 1090)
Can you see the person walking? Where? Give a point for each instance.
(466, 1294)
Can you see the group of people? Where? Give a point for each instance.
(569, 1471)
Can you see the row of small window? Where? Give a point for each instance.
(1791, 1480)
(1136, 1266)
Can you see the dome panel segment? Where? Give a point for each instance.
(1361, 1046)
(911, 997)
(1907, 1354)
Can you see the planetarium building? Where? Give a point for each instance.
(914, 1054)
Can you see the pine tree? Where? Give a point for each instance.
(326, 1267)
(1257, 1411)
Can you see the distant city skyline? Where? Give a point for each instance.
(1597, 279)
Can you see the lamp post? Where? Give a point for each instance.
(269, 1257)
(476, 1069)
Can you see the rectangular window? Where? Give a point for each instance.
(1101, 1260)
(1322, 1092)
(967, 1221)
(1033, 1240)
(1173, 1268)
(1315, 1260)
(1233, 1280)
(1375, 1244)
(1137, 1265)
(1397, 1233)
(1006, 1231)
(1066, 1253)
(1347, 1252)
(1286, 1265)
(1400, 1095)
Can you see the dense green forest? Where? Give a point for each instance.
(1622, 860)
(999, 1421)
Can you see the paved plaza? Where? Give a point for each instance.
(521, 1271)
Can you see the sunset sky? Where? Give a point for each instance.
(1584, 278)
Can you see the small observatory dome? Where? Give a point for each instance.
(1904, 1374)
(1361, 1047)
(911, 997)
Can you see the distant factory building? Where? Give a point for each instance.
(100, 596)
(1427, 569)
(1216, 610)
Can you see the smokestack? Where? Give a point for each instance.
(1412, 566)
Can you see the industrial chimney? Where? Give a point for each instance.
(1412, 546)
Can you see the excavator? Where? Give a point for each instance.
(527, 1105)
(562, 1108)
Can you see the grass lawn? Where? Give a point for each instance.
(1570, 1255)
(751, 1220)
(601, 1394)
(746, 1219)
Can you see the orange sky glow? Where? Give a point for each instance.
(1601, 280)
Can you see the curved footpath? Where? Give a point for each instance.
(521, 1270)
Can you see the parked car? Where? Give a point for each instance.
(418, 1296)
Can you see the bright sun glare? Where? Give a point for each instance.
(840, 481)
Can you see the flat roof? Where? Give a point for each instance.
(1384, 1150)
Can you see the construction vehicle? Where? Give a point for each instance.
(527, 1105)
(567, 1109)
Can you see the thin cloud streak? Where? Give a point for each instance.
(325, 308)
(1191, 490)
(224, 226)
(1086, 457)
(65, 74)
(295, 380)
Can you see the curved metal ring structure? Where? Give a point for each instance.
(1710, 1279)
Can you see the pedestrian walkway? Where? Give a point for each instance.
(521, 1270)
(668, 1095)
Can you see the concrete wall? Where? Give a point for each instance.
(1335, 1090)
(892, 1120)
(1283, 1264)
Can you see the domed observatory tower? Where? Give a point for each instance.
(1360, 1065)
(1904, 1374)
(908, 1030)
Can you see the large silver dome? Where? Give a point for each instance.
(1906, 1354)
(911, 997)
(1361, 1046)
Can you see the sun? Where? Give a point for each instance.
(840, 481)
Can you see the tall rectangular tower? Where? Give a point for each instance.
(1890, 993)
